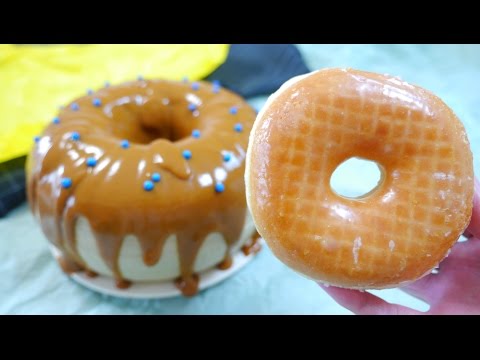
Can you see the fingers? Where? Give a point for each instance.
(457, 268)
(422, 288)
(364, 303)
(474, 227)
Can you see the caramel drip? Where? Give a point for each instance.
(154, 116)
(253, 245)
(188, 285)
(109, 246)
(122, 283)
(226, 263)
(169, 157)
(67, 265)
(91, 273)
(152, 247)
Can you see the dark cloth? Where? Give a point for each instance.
(259, 69)
(12, 184)
(250, 70)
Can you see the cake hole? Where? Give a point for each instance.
(356, 178)
(147, 130)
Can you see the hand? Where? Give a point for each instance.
(454, 290)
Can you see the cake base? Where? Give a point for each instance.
(158, 290)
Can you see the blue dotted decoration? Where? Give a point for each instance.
(36, 138)
(226, 157)
(89, 92)
(66, 183)
(238, 127)
(233, 110)
(216, 86)
(187, 154)
(75, 136)
(140, 78)
(107, 84)
(156, 177)
(195, 86)
(97, 102)
(125, 144)
(91, 162)
(196, 133)
(192, 107)
(219, 187)
(75, 107)
(56, 120)
(148, 185)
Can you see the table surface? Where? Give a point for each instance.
(32, 283)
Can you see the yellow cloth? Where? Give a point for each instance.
(36, 80)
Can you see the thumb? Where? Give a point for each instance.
(364, 303)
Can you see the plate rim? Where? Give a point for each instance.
(163, 289)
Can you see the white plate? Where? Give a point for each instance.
(160, 290)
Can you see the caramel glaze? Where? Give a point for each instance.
(91, 273)
(226, 263)
(254, 246)
(154, 116)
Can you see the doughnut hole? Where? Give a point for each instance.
(144, 122)
(356, 178)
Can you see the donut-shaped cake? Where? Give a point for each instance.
(394, 234)
(144, 181)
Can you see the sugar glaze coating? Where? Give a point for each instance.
(399, 231)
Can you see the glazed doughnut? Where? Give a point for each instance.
(396, 233)
(144, 181)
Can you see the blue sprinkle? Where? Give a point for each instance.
(125, 144)
(148, 185)
(36, 138)
(238, 127)
(56, 120)
(89, 92)
(196, 133)
(219, 187)
(140, 78)
(192, 107)
(227, 157)
(187, 154)
(216, 83)
(216, 89)
(91, 162)
(97, 102)
(195, 86)
(233, 110)
(107, 83)
(156, 177)
(66, 182)
(185, 79)
(75, 136)
(75, 107)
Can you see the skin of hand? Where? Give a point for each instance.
(455, 289)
